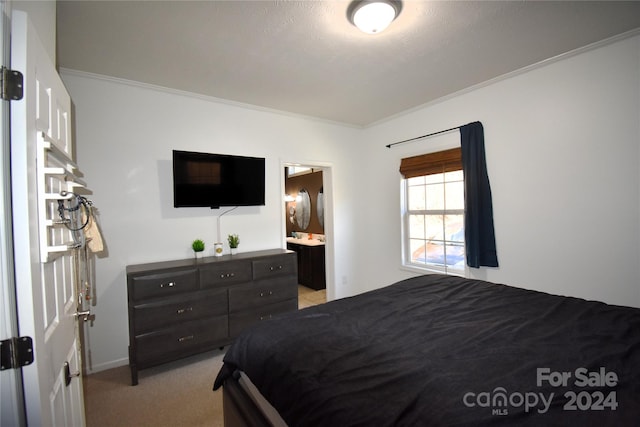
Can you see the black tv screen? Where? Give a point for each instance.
(215, 180)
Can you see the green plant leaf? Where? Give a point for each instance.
(197, 245)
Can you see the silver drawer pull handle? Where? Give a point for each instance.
(228, 275)
(265, 317)
(275, 268)
(169, 285)
(187, 338)
(183, 310)
(266, 293)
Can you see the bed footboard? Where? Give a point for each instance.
(243, 406)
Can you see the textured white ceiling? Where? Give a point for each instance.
(304, 57)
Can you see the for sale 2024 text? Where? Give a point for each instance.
(587, 398)
(583, 400)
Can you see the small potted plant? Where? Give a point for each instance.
(197, 246)
(234, 241)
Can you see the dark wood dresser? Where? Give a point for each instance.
(184, 307)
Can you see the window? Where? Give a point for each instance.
(433, 212)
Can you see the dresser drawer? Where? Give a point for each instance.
(183, 338)
(241, 320)
(183, 308)
(256, 294)
(275, 266)
(164, 284)
(223, 274)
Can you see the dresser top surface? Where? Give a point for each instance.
(204, 261)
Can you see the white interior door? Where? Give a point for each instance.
(47, 299)
(11, 404)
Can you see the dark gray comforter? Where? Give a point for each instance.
(446, 351)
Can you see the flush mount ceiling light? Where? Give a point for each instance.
(373, 16)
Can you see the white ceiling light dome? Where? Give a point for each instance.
(373, 16)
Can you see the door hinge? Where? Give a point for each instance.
(16, 352)
(11, 84)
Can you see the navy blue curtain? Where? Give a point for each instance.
(480, 238)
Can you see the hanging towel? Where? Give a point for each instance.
(92, 232)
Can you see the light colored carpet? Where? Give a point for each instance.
(175, 394)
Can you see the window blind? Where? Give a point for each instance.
(432, 163)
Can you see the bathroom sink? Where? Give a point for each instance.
(306, 242)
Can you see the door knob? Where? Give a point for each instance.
(85, 315)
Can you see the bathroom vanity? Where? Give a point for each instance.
(311, 264)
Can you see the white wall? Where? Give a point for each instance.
(124, 139)
(563, 154)
(563, 151)
(42, 14)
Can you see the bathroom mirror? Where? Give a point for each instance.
(320, 207)
(303, 209)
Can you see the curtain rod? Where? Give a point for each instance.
(423, 136)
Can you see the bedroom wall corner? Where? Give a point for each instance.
(562, 143)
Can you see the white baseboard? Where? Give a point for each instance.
(104, 366)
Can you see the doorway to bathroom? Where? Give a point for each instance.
(308, 221)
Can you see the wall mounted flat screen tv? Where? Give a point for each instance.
(215, 180)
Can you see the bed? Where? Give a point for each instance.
(438, 350)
